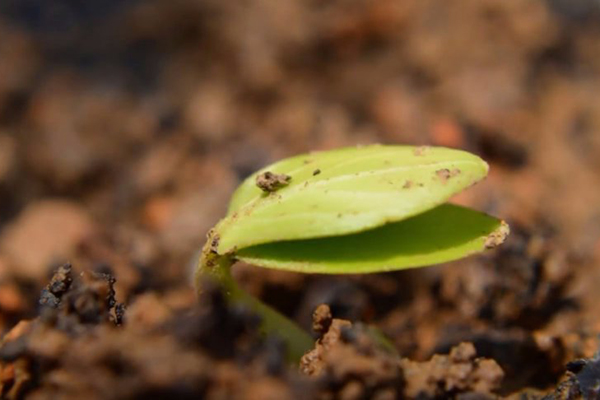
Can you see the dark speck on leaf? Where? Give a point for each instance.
(316, 172)
(445, 174)
(214, 243)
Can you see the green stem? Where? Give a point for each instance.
(217, 268)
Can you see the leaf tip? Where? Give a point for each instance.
(498, 236)
(486, 166)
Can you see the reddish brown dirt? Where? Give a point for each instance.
(124, 130)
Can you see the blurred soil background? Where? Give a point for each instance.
(126, 125)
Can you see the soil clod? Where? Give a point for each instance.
(459, 372)
(322, 319)
(59, 285)
(271, 182)
(350, 364)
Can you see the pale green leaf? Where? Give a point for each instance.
(446, 233)
(355, 189)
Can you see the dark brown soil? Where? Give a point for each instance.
(125, 127)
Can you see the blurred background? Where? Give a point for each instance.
(126, 125)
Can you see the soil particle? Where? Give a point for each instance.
(59, 284)
(445, 174)
(270, 182)
(214, 242)
(316, 172)
(321, 319)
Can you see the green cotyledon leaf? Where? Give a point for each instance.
(345, 191)
(446, 233)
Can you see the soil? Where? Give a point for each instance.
(270, 182)
(126, 126)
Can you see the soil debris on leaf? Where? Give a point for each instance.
(316, 172)
(445, 174)
(497, 237)
(214, 241)
(270, 182)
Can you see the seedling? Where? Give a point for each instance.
(348, 211)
